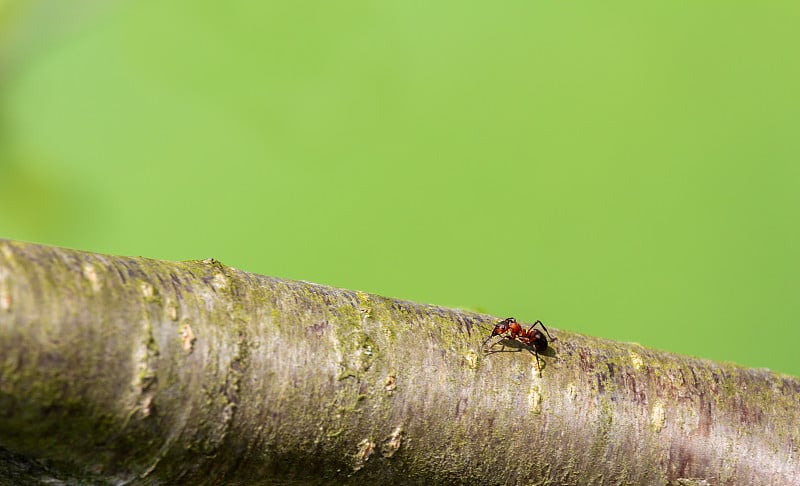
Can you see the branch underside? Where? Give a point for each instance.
(120, 369)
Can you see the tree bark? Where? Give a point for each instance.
(118, 370)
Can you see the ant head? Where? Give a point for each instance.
(508, 322)
(502, 326)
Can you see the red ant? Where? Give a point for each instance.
(509, 328)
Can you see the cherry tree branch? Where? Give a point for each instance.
(119, 369)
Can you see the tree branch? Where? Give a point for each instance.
(120, 369)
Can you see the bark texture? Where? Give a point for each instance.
(117, 370)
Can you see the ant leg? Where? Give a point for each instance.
(483, 346)
(532, 349)
(538, 364)
(545, 329)
(486, 341)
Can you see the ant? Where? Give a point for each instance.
(535, 339)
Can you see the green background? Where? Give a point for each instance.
(622, 169)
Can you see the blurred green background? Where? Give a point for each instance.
(624, 169)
